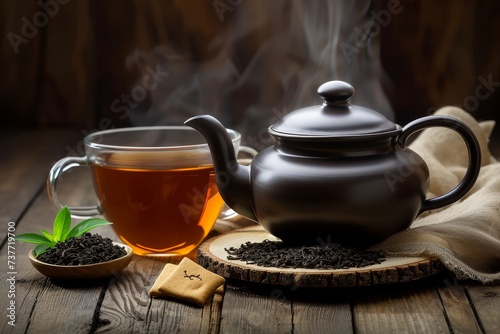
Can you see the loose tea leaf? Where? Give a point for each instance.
(331, 256)
(61, 231)
(85, 249)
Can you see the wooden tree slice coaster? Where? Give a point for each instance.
(212, 256)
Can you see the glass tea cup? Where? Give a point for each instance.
(155, 184)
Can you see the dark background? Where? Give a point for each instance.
(89, 64)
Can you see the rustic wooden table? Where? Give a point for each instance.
(36, 304)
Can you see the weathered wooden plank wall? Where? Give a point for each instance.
(87, 63)
(47, 63)
(444, 53)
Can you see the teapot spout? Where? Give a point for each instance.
(233, 179)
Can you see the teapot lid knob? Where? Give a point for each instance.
(336, 119)
(335, 93)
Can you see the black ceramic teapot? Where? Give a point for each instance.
(336, 172)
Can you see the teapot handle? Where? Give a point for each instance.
(473, 149)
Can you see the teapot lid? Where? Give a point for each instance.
(335, 119)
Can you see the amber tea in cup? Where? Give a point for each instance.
(155, 184)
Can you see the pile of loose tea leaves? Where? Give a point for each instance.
(330, 256)
(85, 249)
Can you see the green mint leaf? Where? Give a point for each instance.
(39, 249)
(32, 238)
(48, 236)
(86, 226)
(62, 225)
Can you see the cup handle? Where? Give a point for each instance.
(248, 150)
(227, 213)
(473, 149)
(55, 172)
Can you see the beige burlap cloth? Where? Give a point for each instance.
(465, 235)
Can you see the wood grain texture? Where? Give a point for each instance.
(67, 85)
(322, 311)
(458, 309)
(403, 308)
(434, 62)
(26, 160)
(20, 66)
(49, 78)
(42, 304)
(127, 304)
(212, 255)
(486, 303)
(255, 310)
(89, 53)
